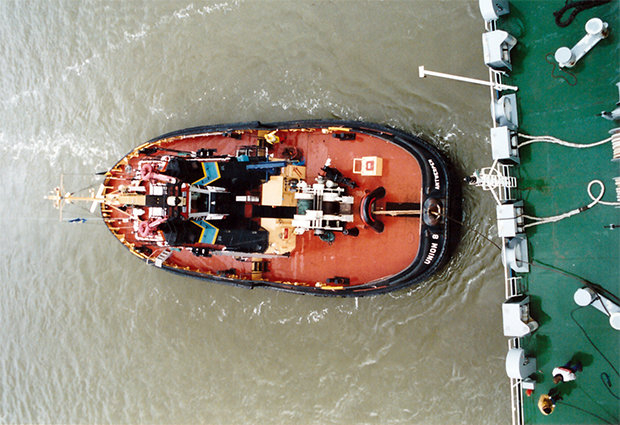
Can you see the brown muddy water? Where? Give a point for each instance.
(89, 334)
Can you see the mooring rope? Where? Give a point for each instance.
(595, 200)
(555, 140)
(578, 7)
(615, 144)
(598, 199)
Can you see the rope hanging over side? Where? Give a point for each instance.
(578, 6)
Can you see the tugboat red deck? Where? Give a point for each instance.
(283, 205)
(364, 258)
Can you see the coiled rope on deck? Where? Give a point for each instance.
(615, 144)
(578, 7)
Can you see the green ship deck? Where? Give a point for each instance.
(553, 179)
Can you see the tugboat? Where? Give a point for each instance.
(312, 207)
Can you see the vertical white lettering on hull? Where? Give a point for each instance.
(431, 253)
(435, 174)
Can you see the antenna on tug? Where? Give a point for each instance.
(60, 197)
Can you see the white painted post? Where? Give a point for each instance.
(423, 73)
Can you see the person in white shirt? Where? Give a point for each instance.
(567, 372)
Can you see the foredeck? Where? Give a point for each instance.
(553, 179)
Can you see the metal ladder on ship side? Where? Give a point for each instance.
(163, 256)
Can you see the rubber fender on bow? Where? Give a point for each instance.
(366, 209)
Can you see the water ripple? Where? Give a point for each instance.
(92, 335)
